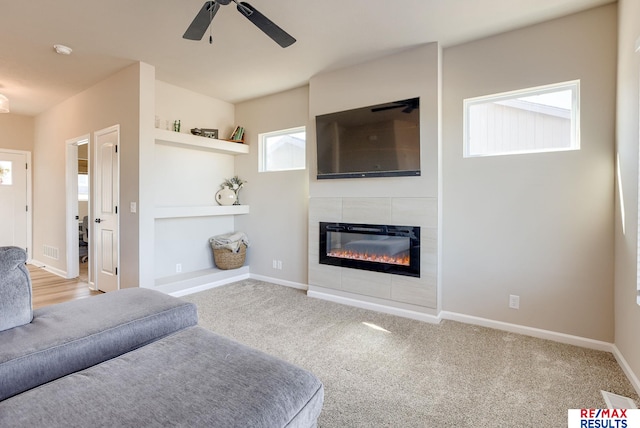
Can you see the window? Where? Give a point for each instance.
(83, 187)
(541, 119)
(5, 173)
(282, 150)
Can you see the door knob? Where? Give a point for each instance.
(98, 220)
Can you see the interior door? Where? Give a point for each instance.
(105, 212)
(14, 210)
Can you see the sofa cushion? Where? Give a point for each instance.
(72, 336)
(15, 288)
(193, 378)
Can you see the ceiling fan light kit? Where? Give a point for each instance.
(203, 19)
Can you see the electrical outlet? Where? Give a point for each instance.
(275, 264)
(178, 267)
(514, 301)
(279, 264)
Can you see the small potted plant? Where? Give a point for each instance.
(235, 183)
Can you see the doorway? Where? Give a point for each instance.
(98, 224)
(79, 264)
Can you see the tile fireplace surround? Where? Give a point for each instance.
(412, 296)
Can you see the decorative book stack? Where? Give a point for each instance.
(237, 135)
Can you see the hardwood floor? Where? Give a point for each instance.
(49, 289)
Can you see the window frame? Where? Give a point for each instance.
(262, 155)
(573, 85)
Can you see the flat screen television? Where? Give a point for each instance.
(382, 140)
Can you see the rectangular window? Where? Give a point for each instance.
(282, 150)
(541, 119)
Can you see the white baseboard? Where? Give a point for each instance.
(283, 282)
(225, 281)
(635, 382)
(529, 331)
(49, 269)
(405, 313)
(209, 285)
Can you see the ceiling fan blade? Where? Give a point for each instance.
(202, 21)
(278, 35)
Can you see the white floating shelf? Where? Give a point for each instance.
(195, 142)
(205, 211)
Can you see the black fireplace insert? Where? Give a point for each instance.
(380, 248)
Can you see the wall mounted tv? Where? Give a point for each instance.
(375, 141)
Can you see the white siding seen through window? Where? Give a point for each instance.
(282, 150)
(532, 120)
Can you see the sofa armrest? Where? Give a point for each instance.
(72, 336)
(15, 288)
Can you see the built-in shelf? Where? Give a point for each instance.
(204, 211)
(170, 216)
(195, 142)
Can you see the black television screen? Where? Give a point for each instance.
(375, 141)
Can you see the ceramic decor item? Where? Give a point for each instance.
(226, 196)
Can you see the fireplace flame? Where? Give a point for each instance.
(402, 260)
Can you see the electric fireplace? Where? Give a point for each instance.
(380, 248)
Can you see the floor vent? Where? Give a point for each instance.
(51, 252)
(615, 401)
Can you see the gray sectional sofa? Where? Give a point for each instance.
(135, 358)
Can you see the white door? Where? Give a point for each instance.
(14, 210)
(105, 212)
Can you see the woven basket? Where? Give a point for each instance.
(224, 258)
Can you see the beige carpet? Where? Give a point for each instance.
(413, 374)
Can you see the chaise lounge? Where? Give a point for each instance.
(135, 358)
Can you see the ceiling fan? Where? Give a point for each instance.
(204, 17)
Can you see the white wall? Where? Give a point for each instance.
(277, 225)
(188, 178)
(627, 312)
(192, 109)
(538, 225)
(408, 74)
(16, 132)
(115, 100)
